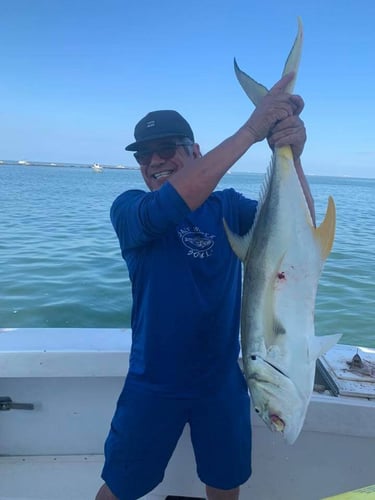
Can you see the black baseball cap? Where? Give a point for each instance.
(160, 124)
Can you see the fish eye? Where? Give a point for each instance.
(253, 357)
(257, 410)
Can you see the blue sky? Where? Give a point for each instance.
(77, 75)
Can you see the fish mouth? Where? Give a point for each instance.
(277, 423)
(163, 173)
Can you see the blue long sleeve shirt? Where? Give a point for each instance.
(186, 287)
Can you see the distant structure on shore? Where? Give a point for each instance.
(33, 163)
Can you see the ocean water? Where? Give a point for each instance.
(60, 263)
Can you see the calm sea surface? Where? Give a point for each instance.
(60, 264)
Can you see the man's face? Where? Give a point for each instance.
(162, 158)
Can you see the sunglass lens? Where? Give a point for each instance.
(164, 152)
(143, 158)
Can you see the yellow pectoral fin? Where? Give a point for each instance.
(325, 233)
(240, 244)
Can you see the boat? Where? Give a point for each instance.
(58, 391)
(97, 168)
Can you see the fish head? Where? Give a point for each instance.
(275, 398)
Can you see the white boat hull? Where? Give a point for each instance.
(73, 377)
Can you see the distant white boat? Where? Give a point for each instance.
(23, 162)
(97, 168)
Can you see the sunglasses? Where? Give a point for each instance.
(164, 151)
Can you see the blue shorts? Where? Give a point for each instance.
(147, 426)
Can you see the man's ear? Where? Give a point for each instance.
(196, 151)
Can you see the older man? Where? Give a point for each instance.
(186, 285)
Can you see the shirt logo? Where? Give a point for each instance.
(198, 243)
(151, 123)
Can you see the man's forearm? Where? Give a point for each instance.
(305, 188)
(196, 181)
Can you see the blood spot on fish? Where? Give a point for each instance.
(281, 276)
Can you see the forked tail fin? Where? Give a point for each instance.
(254, 90)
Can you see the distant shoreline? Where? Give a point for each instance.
(31, 163)
(26, 163)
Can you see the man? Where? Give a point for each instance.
(186, 285)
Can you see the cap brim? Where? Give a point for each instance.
(136, 146)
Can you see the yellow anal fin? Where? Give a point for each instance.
(325, 233)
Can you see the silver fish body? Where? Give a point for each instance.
(283, 256)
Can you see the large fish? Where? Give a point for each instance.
(283, 256)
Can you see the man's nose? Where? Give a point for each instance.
(156, 160)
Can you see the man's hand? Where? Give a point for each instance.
(289, 132)
(275, 106)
